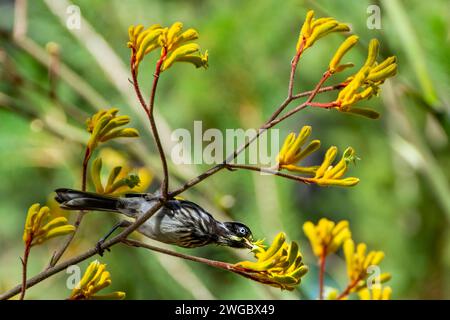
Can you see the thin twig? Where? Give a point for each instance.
(212, 263)
(151, 118)
(322, 262)
(24, 268)
(348, 289)
(271, 171)
(57, 255)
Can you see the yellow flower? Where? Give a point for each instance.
(326, 237)
(40, 227)
(117, 182)
(377, 292)
(106, 125)
(329, 175)
(279, 266)
(95, 279)
(292, 151)
(176, 46)
(314, 29)
(366, 83)
(335, 65)
(358, 263)
(143, 41)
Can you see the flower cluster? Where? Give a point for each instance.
(326, 237)
(117, 182)
(377, 292)
(314, 29)
(95, 279)
(280, 265)
(293, 151)
(366, 82)
(106, 125)
(326, 174)
(329, 175)
(39, 226)
(176, 46)
(358, 263)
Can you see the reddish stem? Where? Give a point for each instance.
(149, 112)
(349, 288)
(322, 262)
(57, 255)
(24, 267)
(328, 105)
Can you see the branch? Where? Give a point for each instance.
(212, 263)
(349, 288)
(58, 254)
(151, 118)
(149, 112)
(24, 268)
(271, 171)
(322, 262)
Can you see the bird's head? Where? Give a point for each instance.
(236, 235)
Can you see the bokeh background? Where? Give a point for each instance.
(53, 78)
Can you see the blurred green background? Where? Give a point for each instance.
(401, 206)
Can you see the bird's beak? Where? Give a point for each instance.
(249, 244)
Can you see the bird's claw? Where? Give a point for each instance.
(99, 248)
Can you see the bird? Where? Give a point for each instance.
(178, 222)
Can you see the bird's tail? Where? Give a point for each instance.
(70, 199)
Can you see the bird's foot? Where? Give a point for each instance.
(99, 248)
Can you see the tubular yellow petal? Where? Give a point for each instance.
(114, 123)
(56, 222)
(274, 248)
(43, 213)
(383, 74)
(343, 49)
(378, 257)
(112, 177)
(285, 280)
(58, 231)
(292, 253)
(386, 294)
(281, 158)
(120, 133)
(349, 250)
(173, 31)
(373, 52)
(330, 155)
(299, 272)
(149, 40)
(387, 62)
(181, 51)
(258, 266)
(197, 60)
(95, 175)
(320, 31)
(306, 28)
(320, 21)
(88, 276)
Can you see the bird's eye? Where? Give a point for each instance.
(242, 231)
